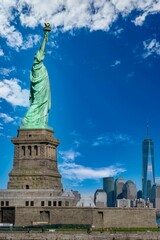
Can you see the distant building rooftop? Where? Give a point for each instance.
(85, 202)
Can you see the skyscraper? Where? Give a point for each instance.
(148, 172)
(130, 190)
(100, 198)
(108, 186)
(119, 183)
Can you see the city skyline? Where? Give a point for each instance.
(103, 63)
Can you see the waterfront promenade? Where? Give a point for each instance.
(79, 236)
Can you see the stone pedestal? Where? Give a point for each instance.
(35, 161)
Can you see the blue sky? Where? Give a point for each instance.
(103, 62)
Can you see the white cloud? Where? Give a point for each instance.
(151, 47)
(30, 41)
(9, 14)
(112, 138)
(104, 15)
(11, 91)
(76, 143)
(6, 118)
(1, 53)
(6, 71)
(77, 172)
(67, 15)
(117, 62)
(69, 155)
(146, 7)
(7, 29)
(75, 134)
(124, 7)
(140, 19)
(117, 31)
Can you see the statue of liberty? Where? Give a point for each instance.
(40, 96)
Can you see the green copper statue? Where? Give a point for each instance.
(40, 96)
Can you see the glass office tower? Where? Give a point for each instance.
(148, 173)
(108, 187)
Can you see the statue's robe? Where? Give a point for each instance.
(40, 99)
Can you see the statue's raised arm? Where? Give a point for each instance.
(40, 54)
(45, 39)
(40, 100)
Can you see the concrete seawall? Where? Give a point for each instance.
(99, 217)
(79, 236)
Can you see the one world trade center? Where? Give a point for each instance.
(148, 172)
